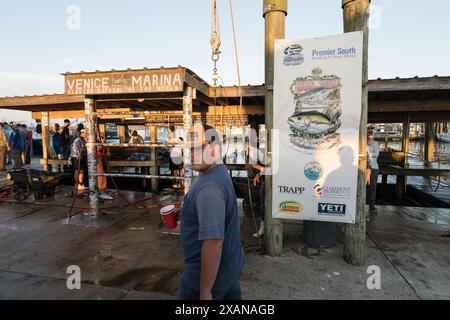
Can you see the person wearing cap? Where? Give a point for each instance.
(373, 151)
(210, 228)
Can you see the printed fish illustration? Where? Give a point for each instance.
(320, 96)
(312, 123)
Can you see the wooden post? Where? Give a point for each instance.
(275, 12)
(187, 124)
(45, 123)
(91, 135)
(429, 143)
(102, 129)
(154, 157)
(405, 139)
(356, 15)
(122, 133)
(386, 137)
(400, 189)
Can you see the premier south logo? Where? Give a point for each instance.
(331, 209)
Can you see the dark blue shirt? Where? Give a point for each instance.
(17, 139)
(210, 211)
(55, 141)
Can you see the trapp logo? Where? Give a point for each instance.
(291, 190)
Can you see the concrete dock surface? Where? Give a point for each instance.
(124, 255)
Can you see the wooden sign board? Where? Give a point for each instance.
(120, 82)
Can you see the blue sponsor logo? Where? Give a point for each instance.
(293, 55)
(313, 171)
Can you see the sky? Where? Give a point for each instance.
(40, 39)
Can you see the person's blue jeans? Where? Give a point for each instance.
(233, 293)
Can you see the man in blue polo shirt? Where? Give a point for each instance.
(17, 144)
(210, 228)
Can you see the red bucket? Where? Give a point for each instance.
(169, 215)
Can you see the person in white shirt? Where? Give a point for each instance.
(373, 149)
(176, 160)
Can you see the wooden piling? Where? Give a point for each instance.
(429, 143)
(405, 137)
(275, 12)
(187, 124)
(45, 123)
(91, 135)
(356, 15)
(154, 157)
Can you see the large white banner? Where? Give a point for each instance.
(317, 108)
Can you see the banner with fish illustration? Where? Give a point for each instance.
(317, 109)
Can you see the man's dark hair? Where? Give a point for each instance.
(210, 133)
(66, 120)
(57, 125)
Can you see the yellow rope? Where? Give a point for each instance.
(236, 52)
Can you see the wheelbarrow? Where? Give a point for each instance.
(28, 181)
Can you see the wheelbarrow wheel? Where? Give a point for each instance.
(246, 206)
(21, 191)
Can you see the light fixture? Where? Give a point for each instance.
(140, 100)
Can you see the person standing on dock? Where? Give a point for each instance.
(176, 160)
(28, 144)
(65, 141)
(373, 149)
(210, 228)
(3, 148)
(17, 145)
(79, 158)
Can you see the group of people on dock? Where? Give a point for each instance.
(15, 145)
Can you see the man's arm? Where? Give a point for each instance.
(211, 210)
(211, 255)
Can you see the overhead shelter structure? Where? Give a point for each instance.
(178, 97)
(153, 97)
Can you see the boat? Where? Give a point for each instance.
(443, 137)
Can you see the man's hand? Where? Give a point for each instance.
(368, 172)
(256, 179)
